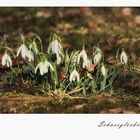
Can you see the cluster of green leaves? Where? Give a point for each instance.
(91, 82)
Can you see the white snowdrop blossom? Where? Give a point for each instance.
(23, 50)
(123, 58)
(97, 57)
(103, 70)
(47, 65)
(74, 76)
(25, 53)
(83, 55)
(44, 67)
(6, 60)
(30, 55)
(40, 66)
(55, 47)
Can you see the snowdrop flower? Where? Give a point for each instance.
(47, 65)
(123, 58)
(97, 57)
(40, 66)
(30, 55)
(23, 50)
(44, 67)
(103, 70)
(83, 55)
(74, 76)
(55, 47)
(6, 60)
(25, 53)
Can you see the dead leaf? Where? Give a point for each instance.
(91, 68)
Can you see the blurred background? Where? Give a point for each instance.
(108, 27)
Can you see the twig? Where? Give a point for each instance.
(77, 90)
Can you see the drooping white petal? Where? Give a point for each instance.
(8, 65)
(30, 55)
(3, 60)
(78, 77)
(47, 65)
(82, 55)
(40, 66)
(85, 64)
(42, 69)
(74, 76)
(6, 60)
(19, 50)
(23, 50)
(9, 61)
(97, 57)
(55, 47)
(103, 70)
(71, 77)
(123, 58)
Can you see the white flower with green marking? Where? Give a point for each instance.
(123, 58)
(47, 66)
(40, 66)
(83, 55)
(30, 55)
(74, 76)
(25, 53)
(97, 57)
(103, 70)
(44, 67)
(6, 60)
(55, 47)
(23, 50)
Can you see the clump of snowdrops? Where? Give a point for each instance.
(58, 70)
